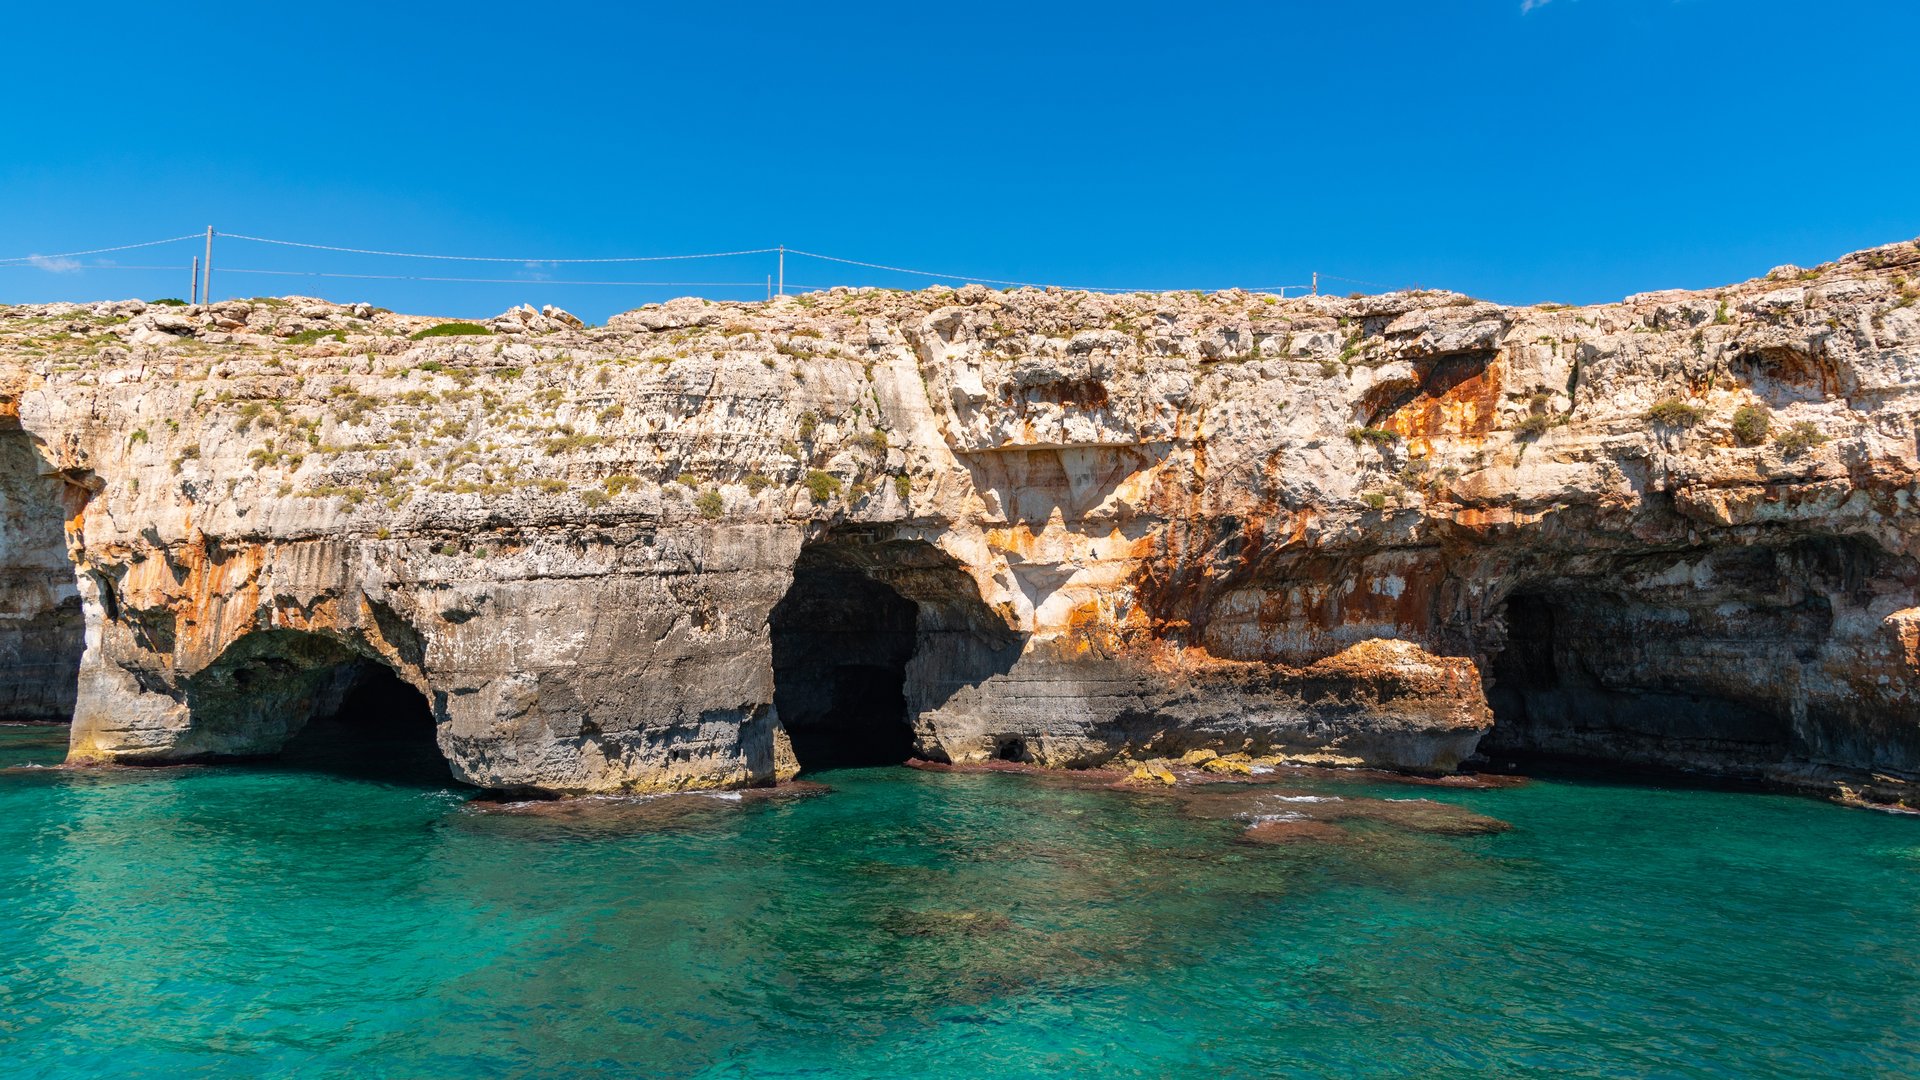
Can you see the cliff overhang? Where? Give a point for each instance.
(1058, 527)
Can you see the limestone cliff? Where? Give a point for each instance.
(1061, 527)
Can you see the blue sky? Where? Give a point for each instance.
(1571, 150)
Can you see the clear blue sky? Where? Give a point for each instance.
(1578, 150)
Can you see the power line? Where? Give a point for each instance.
(495, 258)
(38, 261)
(101, 251)
(84, 269)
(1012, 283)
(949, 277)
(1357, 281)
(491, 281)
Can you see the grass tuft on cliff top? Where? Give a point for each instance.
(450, 329)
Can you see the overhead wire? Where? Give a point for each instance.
(486, 281)
(37, 261)
(182, 268)
(496, 258)
(29, 259)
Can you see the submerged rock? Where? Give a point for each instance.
(1294, 830)
(1046, 528)
(908, 923)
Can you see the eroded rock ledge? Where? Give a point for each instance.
(1071, 529)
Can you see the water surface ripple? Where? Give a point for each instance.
(257, 922)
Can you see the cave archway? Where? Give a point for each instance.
(42, 628)
(1610, 677)
(310, 702)
(873, 635)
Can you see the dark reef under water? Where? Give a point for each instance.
(307, 920)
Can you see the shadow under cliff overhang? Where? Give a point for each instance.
(315, 702)
(1732, 660)
(42, 625)
(1034, 485)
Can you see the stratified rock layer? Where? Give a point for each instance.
(1064, 528)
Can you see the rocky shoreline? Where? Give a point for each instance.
(679, 551)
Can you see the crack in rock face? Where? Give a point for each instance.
(712, 545)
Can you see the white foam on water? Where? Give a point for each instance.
(1266, 819)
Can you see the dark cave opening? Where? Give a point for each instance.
(312, 702)
(382, 729)
(1602, 677)
(841, 643)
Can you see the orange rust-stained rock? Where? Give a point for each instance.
(1071, 529)
(1456, 399)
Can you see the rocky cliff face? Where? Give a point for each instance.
(683, 548)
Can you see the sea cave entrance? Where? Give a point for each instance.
(872, 634)
(1609, 677)
(382, 729)
(310, 703)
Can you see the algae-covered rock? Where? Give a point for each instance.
(1152, 772)
(1038, 526)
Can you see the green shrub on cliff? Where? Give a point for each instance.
(450, 329)
(1800, 438)
(709, 504)
(1673, 412)
(823, 486)
(1376, 436)
(1750, 424)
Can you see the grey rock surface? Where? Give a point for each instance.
(1067, 528)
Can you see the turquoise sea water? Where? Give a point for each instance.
(259, 922)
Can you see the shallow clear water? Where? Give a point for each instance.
(244, 922)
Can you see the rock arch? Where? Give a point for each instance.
(316, 699)
(872, 638)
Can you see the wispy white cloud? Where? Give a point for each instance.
(54, 265)
(1529, 5)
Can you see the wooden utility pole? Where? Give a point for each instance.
(193, 293)
(783, 269)
(206, 278)
(1316, 283)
